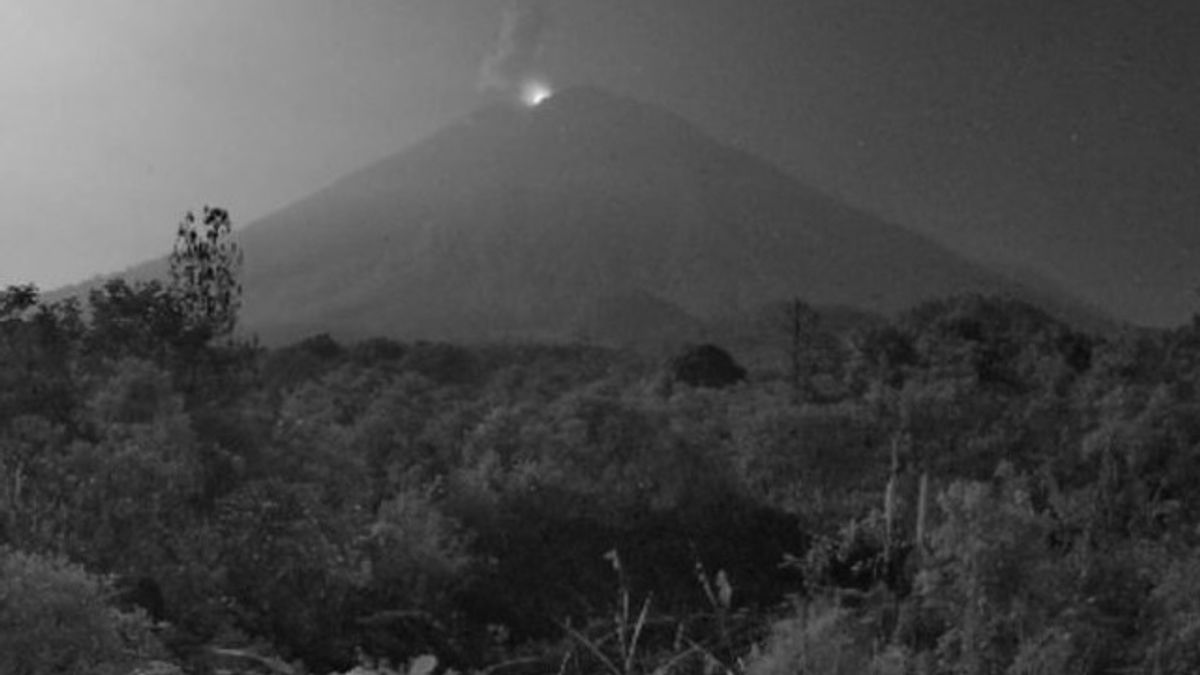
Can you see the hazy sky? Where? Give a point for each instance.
(1061, 134)
(116, 116)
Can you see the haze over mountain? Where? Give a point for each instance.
(590, 215)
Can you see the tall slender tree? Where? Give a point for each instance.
(205, 272)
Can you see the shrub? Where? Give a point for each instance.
(706, 366)
(825, 640)
(415, 550)
(1176, 634)
(54, 619)
(285, 562)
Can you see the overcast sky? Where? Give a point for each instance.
(1058, 134)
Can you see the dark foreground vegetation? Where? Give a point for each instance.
(971, 488)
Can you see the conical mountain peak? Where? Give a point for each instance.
(517, 222)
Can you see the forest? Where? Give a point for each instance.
(970, 487)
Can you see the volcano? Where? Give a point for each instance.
(589, 215)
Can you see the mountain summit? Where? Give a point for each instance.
(553, 220)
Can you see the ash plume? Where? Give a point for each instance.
(517, 47)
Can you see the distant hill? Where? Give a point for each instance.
(590, 216)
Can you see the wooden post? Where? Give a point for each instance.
(889, 500)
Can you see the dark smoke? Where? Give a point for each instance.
(517, 47)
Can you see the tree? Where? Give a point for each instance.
(205, 269)
(142, 320)
(15, 300)
(37, 344)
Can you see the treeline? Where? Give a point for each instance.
(973, 487)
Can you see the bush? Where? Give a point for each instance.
(827, 640)
(1176, 634)
(416, 549)
(287, 568)
(54, 619)
(706, 366)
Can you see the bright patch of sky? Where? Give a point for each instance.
(117, 116)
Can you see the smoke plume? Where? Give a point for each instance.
(517, 47)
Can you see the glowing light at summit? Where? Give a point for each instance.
(535, 92)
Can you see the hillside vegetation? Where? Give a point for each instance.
(972, 487)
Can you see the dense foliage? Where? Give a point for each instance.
(973, 487)
(55, 618)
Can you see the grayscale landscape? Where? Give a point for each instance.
(558, 336)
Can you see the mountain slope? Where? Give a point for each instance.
(535, 223)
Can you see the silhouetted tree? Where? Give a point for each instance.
(205, 270)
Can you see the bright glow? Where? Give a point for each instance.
(534, 92)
